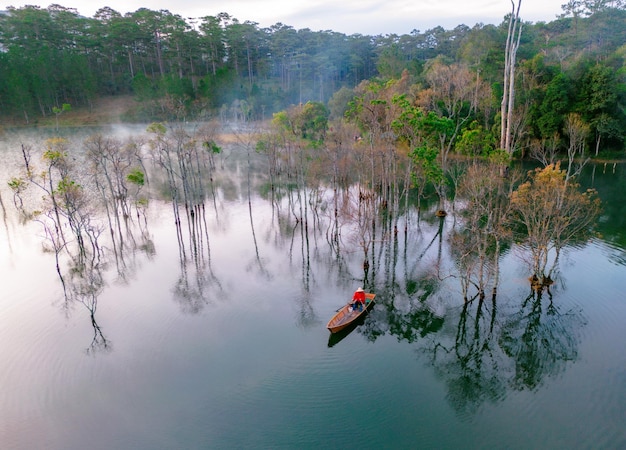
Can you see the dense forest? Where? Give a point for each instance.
(570, 74)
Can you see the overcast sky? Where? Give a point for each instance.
(368, 17)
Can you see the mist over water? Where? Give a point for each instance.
(212, 334)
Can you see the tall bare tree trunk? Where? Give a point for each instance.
(508, 95)
(159, 54)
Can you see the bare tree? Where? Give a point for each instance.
(508, 96)
(545, 150)
(478, 244)
(577, 130)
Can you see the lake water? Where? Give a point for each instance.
(227, 347)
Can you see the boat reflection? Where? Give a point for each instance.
(337, 337)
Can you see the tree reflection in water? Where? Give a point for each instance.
(85, 286)
(477, 346)
(471, 365)
(188, 160)
(540, 340)
(66, 198)
(492, 350)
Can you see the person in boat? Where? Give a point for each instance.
(358, 299)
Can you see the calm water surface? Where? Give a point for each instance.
(229, 349)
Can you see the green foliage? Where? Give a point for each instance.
(435, 126)
(426, 158)
(391, 62)
(212, 147)
(69, 191)
(157, 128)
(308, 122)
(176, 87)
(136, 177)
(66, 185)
(64, 108)
(312, 121)
(58, 111)
(597, 91)
(144, 88)
(53, 156)
(17, 185)
(339, 103)
(475, 141)
(54, 56)
(499, 157)
(554, 106)
(282, 120)
(262, 146)
(598, 101)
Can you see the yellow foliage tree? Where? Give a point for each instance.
(548, 212)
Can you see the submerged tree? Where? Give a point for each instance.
(549, 212)
(65, 202)
(185, 159)
(478, 244)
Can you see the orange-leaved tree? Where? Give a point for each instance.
(548, 212)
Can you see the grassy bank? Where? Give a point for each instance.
(105, 110)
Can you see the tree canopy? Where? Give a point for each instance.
(179, 67)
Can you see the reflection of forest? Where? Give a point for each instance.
(359, 212)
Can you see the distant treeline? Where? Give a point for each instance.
(195, 67)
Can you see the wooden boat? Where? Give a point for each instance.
(336, 338)
(346, 315)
